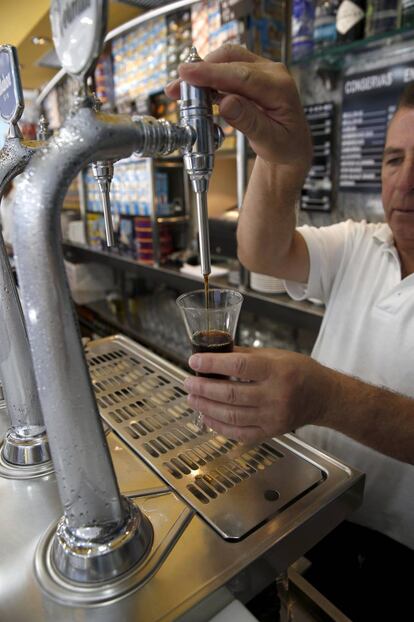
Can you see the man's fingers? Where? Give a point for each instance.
(246, 435)
(239, 416)
(246, 117)
(239, 365)
(238, 78)
(235, 393)
(172, 89)
(228, 53)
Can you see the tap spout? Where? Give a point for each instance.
(86, 481)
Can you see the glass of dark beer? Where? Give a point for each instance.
(210, 318)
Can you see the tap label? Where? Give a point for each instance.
(11, 94)
(78, 29)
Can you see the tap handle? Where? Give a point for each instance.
(196, 112)
(103, 172)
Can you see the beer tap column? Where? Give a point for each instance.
(25, 450)
(196, 112)
(101, 534)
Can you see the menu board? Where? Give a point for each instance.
(369, 102)
(317, 189)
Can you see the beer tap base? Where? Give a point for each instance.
(25, 457)
(93, 570)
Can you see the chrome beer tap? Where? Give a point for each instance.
(101, 533)
(196, 112)
(25, 449)
(86, 481)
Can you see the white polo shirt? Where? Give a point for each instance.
(367, 331)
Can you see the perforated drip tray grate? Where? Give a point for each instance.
(234, 487)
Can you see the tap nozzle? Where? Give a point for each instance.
(103, 172)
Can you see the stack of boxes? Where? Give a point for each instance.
(140, 61)
(144, 241)
(178, 40)
(266, 28)
(104, 81)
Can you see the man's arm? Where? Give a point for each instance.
(268, 242)
(259, 98)
(371, 415)
(287, 390)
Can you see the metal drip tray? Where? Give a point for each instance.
(235, 488)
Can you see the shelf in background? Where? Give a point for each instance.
(278, 307)
(105, 315)
(335, 54)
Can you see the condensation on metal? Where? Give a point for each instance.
(146, 405)
(86, 480)
(16, 368)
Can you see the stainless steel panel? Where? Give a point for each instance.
(187, 581)
(185, 578)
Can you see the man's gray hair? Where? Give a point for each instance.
(407, 97)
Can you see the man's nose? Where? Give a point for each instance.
(405, 180)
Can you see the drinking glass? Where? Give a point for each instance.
(211, 323)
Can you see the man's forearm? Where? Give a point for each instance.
(267, 220)
(371, 415)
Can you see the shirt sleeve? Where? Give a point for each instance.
(326, 247)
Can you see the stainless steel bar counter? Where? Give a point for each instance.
(227, 519)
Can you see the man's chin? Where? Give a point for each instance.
(404, 240)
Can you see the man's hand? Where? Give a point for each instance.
(259, 98)
(279, 391)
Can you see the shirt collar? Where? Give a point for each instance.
(384, 235)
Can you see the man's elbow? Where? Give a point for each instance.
(251, 261)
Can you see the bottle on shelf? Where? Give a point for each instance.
(303, 15)
(407, 13)
(382, 16)
(324, 32)
(350, 20)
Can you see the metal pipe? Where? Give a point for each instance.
(203, 232)
(241, 174)
(103, 173)
(25, 442)
(93, 507)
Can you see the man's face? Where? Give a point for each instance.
(398, 179)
